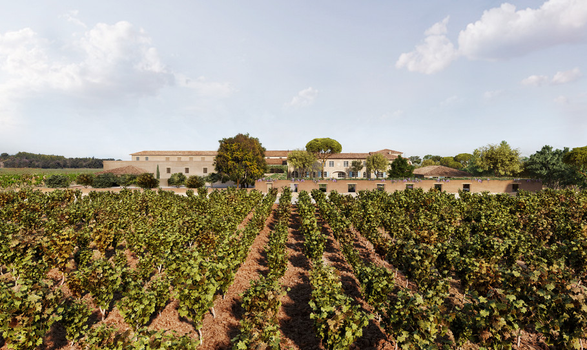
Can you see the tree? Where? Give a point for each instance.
(498, 160)
(577, 158)
(85, 179)
(400, 168)
(147, 180)
(464, 158)
(176, 179)
(56, 181)
(429, 162)
(548, 166)
(301, 160)
(241, 159)
(434, 158)
(195, 181)
(158, 176)
(416, 160)
(356, 167)
(450, 162)
(377, 163)
(323, 148)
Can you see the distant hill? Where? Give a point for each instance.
(44, 161)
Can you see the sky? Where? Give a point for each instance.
(108, 78)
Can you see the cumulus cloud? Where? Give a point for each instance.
(113, 60)
(562, 100)
(501, 33)
(102, 65)
(559, 78)
(566, 77)
(304, 98)
(535, 80)
(433, 55)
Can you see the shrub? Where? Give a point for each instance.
(176, 179)
(57, 181)
(105, 180)
(147, 180)
(127, 179)
(84, 179)
(195, 181)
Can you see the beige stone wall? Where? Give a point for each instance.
(167, 168)
(451, 186)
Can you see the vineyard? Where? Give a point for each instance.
(241, 270)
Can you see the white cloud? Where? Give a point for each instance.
(204, 87)
(435, 54)
(559, 78)
(490, 95)
(562, 100)
(453, 100)
(304, 98)
(535, 80)
(566, 77)
(505, 32)
(71, 17)
(501, 33)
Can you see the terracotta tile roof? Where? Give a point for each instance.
(439, 170)
(175, 153)
(133, 170)
(349, 156)
(388, 151)
(274, 161)
(277, 153)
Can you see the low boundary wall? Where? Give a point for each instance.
(449, 185)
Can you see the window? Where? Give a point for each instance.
(326, 174)
(466, 187)
(515, 187)
(187, 170)
(346, 163)
(352, 188)
(168, 170)
(205, 170)
(322, 187)
(438, 187)
(409, 186)
(146, 158)
(294, 174)
(364, 174)
(381, 187)
(340, 175)
(137, 158)
(331, 163)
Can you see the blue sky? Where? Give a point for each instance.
(109, 78)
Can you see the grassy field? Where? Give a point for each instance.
(39, 171)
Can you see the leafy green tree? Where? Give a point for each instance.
(416, 160)
(105, 180)
(158, 176)
(176, 179)
(356, 167)
(548, 166)
(432, 157)
(464, 158)
(241, 159)
(429, 162)
(195, 181)
(577, 158)
(301, 160)
(323, 148)
(377, 163)
(85, 179)
(450, 162)
(147, 180)
(400, 168)
(57, 181)
(498, 160)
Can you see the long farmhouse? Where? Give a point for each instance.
(202, 163)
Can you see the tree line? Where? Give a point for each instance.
(44, 161)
